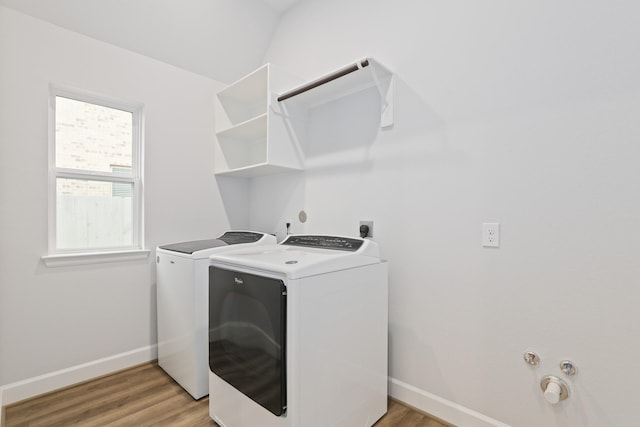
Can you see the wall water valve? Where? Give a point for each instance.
(554, 389)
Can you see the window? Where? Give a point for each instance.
(95, 174)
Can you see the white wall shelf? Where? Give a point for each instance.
(242, 100)
(254, 131)
(253, 136)
(251, 129)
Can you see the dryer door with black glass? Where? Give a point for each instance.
(247, 335)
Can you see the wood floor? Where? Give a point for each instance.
(145, 396)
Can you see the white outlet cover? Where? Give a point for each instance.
(491, 234)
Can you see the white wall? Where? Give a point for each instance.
(220, 39)
(523, 113)
(56, 318)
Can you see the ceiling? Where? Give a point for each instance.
(221, 39)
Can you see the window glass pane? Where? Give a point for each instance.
(92, 137)
(121, 189)
(90, 214)
(121, 170)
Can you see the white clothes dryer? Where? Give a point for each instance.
(298, 334)
(182, 282)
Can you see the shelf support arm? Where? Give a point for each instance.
(387, 99)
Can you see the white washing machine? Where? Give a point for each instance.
(182, 271)
(298, 334)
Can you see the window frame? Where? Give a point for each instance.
(57, 256)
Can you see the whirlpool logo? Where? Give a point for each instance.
(238, 281)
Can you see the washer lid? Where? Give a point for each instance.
(227, 239)
(193, 246)
(301, 260)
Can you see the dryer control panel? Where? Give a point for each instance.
(325, 242)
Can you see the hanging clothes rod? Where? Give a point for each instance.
(326, 79)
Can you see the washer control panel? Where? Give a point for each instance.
(325, 242)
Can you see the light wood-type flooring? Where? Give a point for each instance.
(144, 396)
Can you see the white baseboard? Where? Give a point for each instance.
(15, 392)
(441, 408)
(438, 407)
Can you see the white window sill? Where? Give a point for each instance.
(63, 260)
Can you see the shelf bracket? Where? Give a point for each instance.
(387, 91)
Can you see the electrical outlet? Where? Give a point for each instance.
(368, 224)
(491, 234)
